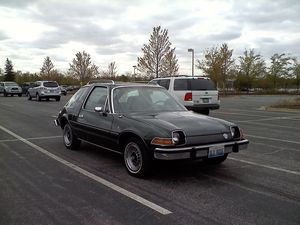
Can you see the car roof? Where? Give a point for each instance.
(183, 77)
(121, 84)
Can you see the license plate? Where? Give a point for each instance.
(216, 151)
(205, 100)
(51, 91)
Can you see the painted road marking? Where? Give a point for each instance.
(266, 166)
(98, 179)
(35, 138)
(274, 139)
(267, 124)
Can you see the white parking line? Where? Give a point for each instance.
(35, 138)
(267, 124)
(266, 166)
(100, 180)
(274, 139)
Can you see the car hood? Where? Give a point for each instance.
(192, 124)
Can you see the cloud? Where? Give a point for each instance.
(3, 36)
(116, 30)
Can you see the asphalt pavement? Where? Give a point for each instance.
(43, 183)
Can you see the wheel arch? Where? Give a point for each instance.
(63, 121)
(125, 136)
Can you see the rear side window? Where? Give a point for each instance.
(164, 83)
(193, 85)
(97, 98)
(50, 84)
(181, 84)
(78, 97)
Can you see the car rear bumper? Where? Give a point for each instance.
(202, 106)
(50, 95)
(200, 151)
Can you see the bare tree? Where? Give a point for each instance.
(47, 67)
(112, 69)
(153, 61)
(170, 64)
(82, 67)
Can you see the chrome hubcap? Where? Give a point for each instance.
(133, 157)
(67, 135)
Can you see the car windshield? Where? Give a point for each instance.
(11, 84)
(144, 99)
(50, 84)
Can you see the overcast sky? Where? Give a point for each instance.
(115, 30)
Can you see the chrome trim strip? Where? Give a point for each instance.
(100, 146)
(242, 142)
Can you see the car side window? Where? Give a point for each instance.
(165, 83)
(77, 98)
(97, 98)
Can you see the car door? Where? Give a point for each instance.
(95, 126)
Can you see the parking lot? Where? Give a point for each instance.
(43, 183)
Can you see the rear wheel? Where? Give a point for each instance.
(20, 95)
(216, 160)
(70, 139)
(136, 158)
(203, 111)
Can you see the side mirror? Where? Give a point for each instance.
(98, 109)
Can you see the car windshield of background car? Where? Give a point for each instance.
(144, 99)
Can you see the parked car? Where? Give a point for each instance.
(10, 88)
(145, 123)
(195, 93)
(63, 90)
(44, 90)
(25, 86)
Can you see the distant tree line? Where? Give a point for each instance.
(246, 72)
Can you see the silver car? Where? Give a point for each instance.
(44, 90)
(10, 88)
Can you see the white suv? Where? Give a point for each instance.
(44, 89)
(195, 93)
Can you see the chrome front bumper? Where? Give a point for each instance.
(197, 151)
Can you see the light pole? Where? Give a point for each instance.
(134, 67)
(192, 51)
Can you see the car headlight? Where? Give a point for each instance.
(235, 132)
(178, 138)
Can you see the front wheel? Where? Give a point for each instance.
(5, 94)
(216, 160)
(20, 95)
(136, 158)
(57, 99)
(28, 96)
(70, 139)
(38, 98)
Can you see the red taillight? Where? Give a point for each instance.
(188, 96)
